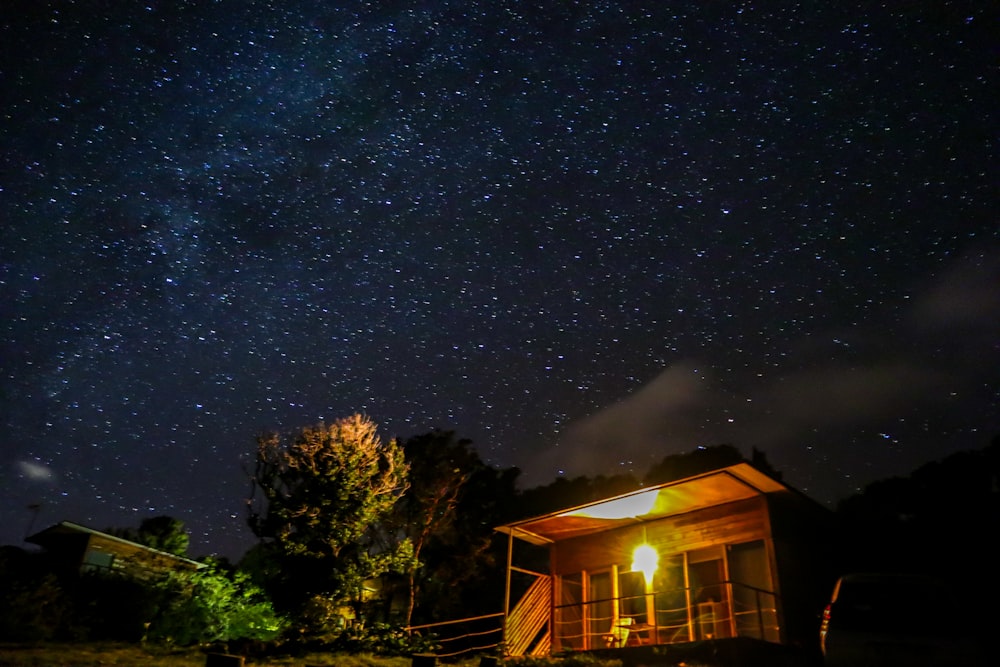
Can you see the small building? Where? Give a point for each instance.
(78, 549)
(729, 553)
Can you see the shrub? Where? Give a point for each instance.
(211, 605)
(32, 610)
(382, 639)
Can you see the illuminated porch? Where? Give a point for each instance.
(706, 568)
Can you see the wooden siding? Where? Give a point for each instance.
(134, 559)
(732, 523)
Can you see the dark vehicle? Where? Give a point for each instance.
(886, 620)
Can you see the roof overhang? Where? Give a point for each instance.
(710, 489)
(47, 537)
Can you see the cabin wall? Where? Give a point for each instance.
(125, 557)
(732, 523)
(801, 531)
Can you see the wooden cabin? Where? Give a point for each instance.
(728, 553)
(78, 549)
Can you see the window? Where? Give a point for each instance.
(97, 560)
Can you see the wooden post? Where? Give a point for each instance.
(424, 660)
(506, 593)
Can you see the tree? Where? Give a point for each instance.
(324, 490)
(563, 492)
(466, 569)
(164, 533)
(939, 518)
(440, 467)
(697, 461)
(35, 606)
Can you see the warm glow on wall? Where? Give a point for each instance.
(645, 559)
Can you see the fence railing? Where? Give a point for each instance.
(476, 634)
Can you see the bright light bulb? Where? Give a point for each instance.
(645, 559)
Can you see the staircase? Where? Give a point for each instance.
(527, 630)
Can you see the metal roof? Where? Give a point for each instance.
(710, 489)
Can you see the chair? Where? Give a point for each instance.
(618, 637)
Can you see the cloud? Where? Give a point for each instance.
(966, 294)
(35, 471)
(683, 408)
(834, 396)
(836, 389)
(650, 413)
(658, 415)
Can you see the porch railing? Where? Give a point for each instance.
(667, 617)
(677, 617)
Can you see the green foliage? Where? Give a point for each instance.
(182, 607)
(322, 618)
(578, 659)
(383, 639)
(31, 610)
(212, 605)
(324, 491)
(163, 533)
(113, 606)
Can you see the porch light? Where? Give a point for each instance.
(645, 559)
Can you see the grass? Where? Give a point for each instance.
(131, 655)
(93, 655)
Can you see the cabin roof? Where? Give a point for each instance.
(51, 536)
(716, 487)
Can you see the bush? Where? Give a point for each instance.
(112, 606)
(211, 605)
(570, 660)
(382, 639)
(32, 610)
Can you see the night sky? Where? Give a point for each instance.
(585, 235)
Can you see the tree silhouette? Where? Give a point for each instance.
(164, 533)
(697, 461)
(448, 513)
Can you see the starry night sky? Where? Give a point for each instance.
(585, 235)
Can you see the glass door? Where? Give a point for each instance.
(671, 602)
(600, 607)
(569, 634)
(633, 602)
(707, 576)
